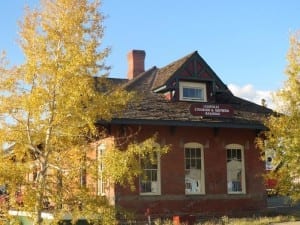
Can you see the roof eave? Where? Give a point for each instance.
(160, 89)
(216, 124)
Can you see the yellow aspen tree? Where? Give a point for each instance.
(49, 105)
(283, 135)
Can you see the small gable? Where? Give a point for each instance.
(188, 79)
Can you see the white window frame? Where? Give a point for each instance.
(194, 85)
(101, 183)
(194, 145)
(158, 184)
(243, 180)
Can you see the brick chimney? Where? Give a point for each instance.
(136, 63)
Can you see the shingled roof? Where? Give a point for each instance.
(153, 108)
(166, 72)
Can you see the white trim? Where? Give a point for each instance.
(100, 182)
(159, 89)
(202, 174)
(196, 85)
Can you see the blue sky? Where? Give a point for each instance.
(245, 42)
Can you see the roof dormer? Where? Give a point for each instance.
(188, 79)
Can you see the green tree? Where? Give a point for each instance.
(48, 108)
(283, 136)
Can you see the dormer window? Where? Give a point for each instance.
(192, 91)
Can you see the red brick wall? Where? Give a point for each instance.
(215, 201)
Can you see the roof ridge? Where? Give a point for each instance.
(183, 59)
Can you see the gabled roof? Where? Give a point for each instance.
(192, 66)
(153, 108)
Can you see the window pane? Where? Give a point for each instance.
(187, 164)
(154, 175)
(233, 154)
(145, 164)
(193, 152)
(193, 163)
(239, 157)
(185, 92)
(199, 93)
(146, 186)
(190, 92)
(187, 153)
(198, 164)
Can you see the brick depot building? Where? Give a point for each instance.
(213, 166)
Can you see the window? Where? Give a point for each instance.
(191, 91)
(235, 169)
(150, 178)
(194, 172)
(83, 177)
(101, 184)
(83, 174)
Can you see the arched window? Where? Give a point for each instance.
(235, 169)
(150, 177)
(194, 168)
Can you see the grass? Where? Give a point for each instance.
(271, 216)
(247, 221)
(237, 221)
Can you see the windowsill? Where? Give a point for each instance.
(236, 193)
(199, 193)
(101, 194)
(150, 194)
(192, 100)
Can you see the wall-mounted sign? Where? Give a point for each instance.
(212, 110)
